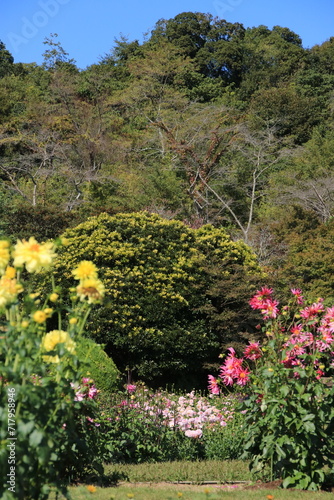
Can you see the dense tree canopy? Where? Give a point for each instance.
(206, 121)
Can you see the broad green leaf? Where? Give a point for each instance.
(310, 416)
(284, 390)
(309, 426)
(35, 438)
(25, 428)
(288, 481)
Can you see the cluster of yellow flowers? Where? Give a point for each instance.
(90, 288)
(9, 287)
(54, 338)
(34, 257)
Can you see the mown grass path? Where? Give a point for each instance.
(202, 480)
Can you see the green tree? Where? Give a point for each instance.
(285, 108)
(160, 278)
(322, 56)
(186, 31)
(307, 178)
(308, 262)
(55, 56)
(271, 57)
(6, 61)
(223, 53)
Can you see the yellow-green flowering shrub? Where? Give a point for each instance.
(158, 315)
(46, 406)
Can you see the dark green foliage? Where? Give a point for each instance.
(291, 430)
(99, 366)
(187, 31)
(22, 221)
(289, 112)
(309, 262)
(6, 61)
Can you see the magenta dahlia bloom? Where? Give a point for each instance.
(311, 312)
(261, 297)
(298, 294)
(253, 351)
(213, 385)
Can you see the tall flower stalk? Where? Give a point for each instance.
(41, 415)
(289, 406)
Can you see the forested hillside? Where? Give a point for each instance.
(204, 122)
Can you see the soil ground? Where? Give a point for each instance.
(199, 487)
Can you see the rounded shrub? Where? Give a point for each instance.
(98, 366)
(172, 292)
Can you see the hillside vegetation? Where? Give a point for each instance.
(204, 122)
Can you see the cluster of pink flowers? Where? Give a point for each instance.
(189, 413)
(131, 388)
(85, 391)
(232, 370)
(310, 332)
(302, 341)
(264, 301)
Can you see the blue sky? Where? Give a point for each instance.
(87, 28)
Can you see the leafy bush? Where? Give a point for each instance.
(99, 366)
(163, 316)
(225, 443)
(19, 220)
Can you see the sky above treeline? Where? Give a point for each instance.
(87, 29)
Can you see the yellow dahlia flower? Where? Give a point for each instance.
(54, 297)
(91, 289)
(9, 289)
(4, 255)
(10, 272)
(52, 339)
(86, 269)
(39, 317)
(35, 256)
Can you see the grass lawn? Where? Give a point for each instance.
(168, 481)
(162, 491)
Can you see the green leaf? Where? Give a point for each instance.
(310, 416)
(280, 452)
(35, 438)
(288, 481)
(263, 406)
(25, 428)
(284, 390)
(309, 426)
